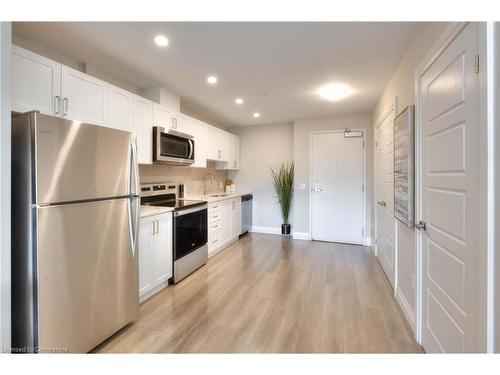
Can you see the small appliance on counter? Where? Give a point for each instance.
(190, 227)
(182, 191)
(246, 213)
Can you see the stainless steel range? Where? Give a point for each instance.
(190, 227)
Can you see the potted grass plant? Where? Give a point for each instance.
(283, 186)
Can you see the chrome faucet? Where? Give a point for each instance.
(205, 185)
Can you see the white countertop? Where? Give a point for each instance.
(152, 210)
(211, 199)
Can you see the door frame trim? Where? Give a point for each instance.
(391, 109)
(446, 38)
(366, 236)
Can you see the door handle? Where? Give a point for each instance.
(421, 225)
(382, 203)
(57, 104)
(65, 106)
(316, 190)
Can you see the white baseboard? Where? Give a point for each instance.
(301, 236)
(405, 306)
(267, 230)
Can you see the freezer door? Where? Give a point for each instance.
(77, 161)
(87, 274)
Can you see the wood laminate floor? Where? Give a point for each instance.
(265, 294)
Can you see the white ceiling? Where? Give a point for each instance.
(276, 67)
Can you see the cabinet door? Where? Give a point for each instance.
(163, 249)
(225, 145)
(235, 217)
(162, 116)
(225, 231)
(236, 152)
(201, 144)
(181, 123)
(84, 98)
(120, 109)
(146, 256)
(36, 83)
(142, 120)
(214, 150)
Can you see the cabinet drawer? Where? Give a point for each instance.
(214, 226)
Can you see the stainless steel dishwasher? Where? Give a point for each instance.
(246, 213)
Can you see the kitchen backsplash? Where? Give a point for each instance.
(191, 177)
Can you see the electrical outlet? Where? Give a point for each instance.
(302, 186)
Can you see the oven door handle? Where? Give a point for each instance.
(190, 210)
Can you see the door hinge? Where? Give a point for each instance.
(362, 231)
(363, 144)
(376, 144)
(476, 63)
(363, 188)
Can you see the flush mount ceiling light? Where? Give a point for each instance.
(256, 115)
(334, 92)
(161, 40)
(238, 101)
(212, 80)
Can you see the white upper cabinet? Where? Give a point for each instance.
(120, 105)
(142, 125)
(162, 116)
(201, 144)
(236, 152)
(181, 123)
(84, 98)
(36, 82)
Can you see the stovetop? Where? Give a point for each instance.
(176, 204)
(165, 195)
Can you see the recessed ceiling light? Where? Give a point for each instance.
(334, 92)
(161, 40)
(238, 101)
(212, 80)
(256, 115)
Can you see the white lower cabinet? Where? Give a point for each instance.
(155, 254)
(224, 224)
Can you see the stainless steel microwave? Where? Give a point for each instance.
(172, 147)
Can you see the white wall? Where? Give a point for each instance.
(402, 86)
(5, 36)
(262, 147)
(301, 153)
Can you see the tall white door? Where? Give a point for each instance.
(450, 148)
(337, 188)
(384, 192)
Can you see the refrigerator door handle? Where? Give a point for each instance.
(134, 196)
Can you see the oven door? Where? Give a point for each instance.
(190, 230)
(172, 148)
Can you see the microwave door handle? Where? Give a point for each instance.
(191, 148)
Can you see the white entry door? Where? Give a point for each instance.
(450, 149)
(337, 188)
(384, 192)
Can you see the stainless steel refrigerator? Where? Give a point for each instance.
(75, 214)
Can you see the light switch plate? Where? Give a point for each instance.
(302, 186)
